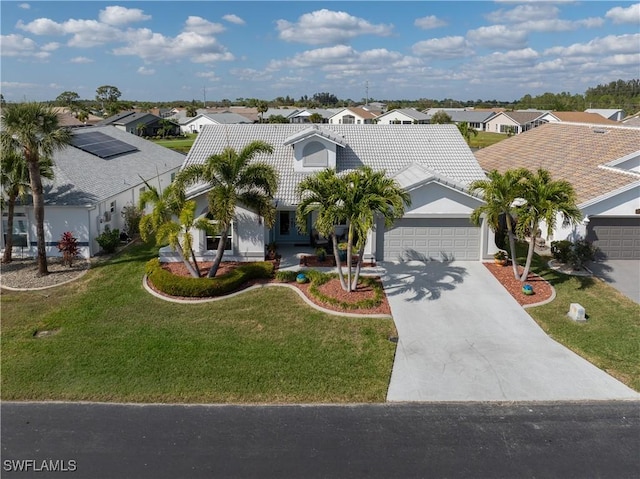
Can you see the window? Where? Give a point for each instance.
(213, 241)
(19, 230)
(315, 154)
(348, 120)
(173, 177)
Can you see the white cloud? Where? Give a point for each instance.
(326, 26)
(445, 47)
(231, 18)
(81, 60)
(85, 33)
(16, 84)
(42, 26)
(16, 45)
(201, 26)
(210, 75)
(146, 71)
(251, 74)
(429, 22)
(599, 47)
(24, 6)
(524, 13)
(116, 15)
(50, 47)
(625, 15)
(513, 58)
(498, 36)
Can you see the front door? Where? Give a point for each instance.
(287, 230)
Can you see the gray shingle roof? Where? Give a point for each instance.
(440, 148)
(82, 178)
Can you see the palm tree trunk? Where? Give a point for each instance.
(532, 246)
(218, 259)
(38, 209)
(512, 246)
(192, 271)
(8, 244)
(356, 276)
(336, 255)
(349, 246)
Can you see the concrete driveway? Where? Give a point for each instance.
(623, 275)
(462, 337)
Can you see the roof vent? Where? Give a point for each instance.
(599, 130)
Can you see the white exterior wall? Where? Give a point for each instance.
(298, 148)
(393, 117)
(493, 125)
(196, 124)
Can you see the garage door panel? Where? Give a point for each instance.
(434, 238)
(616, 238)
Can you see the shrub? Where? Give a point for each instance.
(68, 246)
(109, 240)
(189, 287)
(286, 276)
(321, 254)
(575, 254)
(561, 250)
(318, 278)
(132, 216)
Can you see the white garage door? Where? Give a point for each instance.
(616, 238)
(432, 238)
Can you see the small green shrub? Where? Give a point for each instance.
(575, 254)
(322, 278)
(286, 276)
(561, 250)
(109, 240)
(174, 285)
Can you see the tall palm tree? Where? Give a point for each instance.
(358, 198)
(322, 193)
(235, 179)
(14, 178)
(161, 224)
(499, 192)
(544, 200)
(368, 195)
(34, 129)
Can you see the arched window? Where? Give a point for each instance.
(315, 154)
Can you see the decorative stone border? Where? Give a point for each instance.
(42, 288)
(150, 290)
(554, 265)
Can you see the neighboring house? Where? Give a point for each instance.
(93, 181)
(352, 116)
(302, 116)
(403, 116)
(195, 124)
(603, 165)
(432, 162)
(632, 120)
(515, 121)
(615, 114)
(141, 124)
(577, 117)
(477, 119)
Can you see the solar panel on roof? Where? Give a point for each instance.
(101, 145)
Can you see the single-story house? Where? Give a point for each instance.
(141, 123)
(576, 117)
(615, 114)
(603, 165)
(94, 180)
(353, 115)
(302, 116)
(477, 119)
(195, 124)
(403, 116)
(432, 162)
(515, 121)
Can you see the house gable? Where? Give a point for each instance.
(314, 149)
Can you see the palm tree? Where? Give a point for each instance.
(14, 178)
(358, 198)
(369, 194)
(262, 107)
(167, 205)
(499, 192)
(322, 193)
(234, 179)
(466, 131)
(545, 199)
(33, 128)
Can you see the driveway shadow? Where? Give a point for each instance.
(419, 277)
(602, 270)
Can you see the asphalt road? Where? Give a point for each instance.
(433, 440)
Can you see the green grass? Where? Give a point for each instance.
(115, 342)
(610, 338)
(485, 138)
(183, 145)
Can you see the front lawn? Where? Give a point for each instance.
(486, 138)
(610, 338)
(112, 341)
(180, 144)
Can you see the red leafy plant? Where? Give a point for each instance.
(68, 246)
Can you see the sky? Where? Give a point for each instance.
(382, 50)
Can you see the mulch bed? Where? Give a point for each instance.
(542, 290)
(332, 288)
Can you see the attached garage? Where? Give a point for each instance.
(617, 238)
(431, 238)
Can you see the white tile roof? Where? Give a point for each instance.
(81, 178)
(439, 148)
